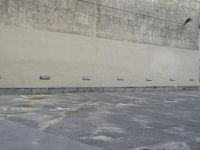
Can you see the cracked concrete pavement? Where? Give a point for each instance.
(107, 121)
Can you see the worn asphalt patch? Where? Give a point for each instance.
(109, 121)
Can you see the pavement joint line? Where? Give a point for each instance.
(150, 93)
(138, 98)
(71, 94)
(44, 125)
(124, 96)
(188, 95)
(23, 96)
(34, 96)
(163, 94)
(179, 99)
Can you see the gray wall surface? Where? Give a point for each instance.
(114, 43)
(157, 22)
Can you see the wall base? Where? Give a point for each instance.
(61, 90)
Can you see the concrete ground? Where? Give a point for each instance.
(95, 121)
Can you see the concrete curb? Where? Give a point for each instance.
(60, 90)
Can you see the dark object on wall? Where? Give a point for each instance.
(148, 79)
(191, 79)
(120, 78)
(187, 21)
(87, 78)
(45, 77)
(171, 79)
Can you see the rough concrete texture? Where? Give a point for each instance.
(109, 121)
(27, 54)
(157, 22)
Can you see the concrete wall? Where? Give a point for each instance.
(105, 40)
(157, 22)
(26, 54)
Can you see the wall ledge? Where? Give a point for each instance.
(62, 90)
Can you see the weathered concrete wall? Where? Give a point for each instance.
(137, 41)
(27, 54)
(157, 22)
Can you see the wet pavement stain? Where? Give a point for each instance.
(112, 121)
